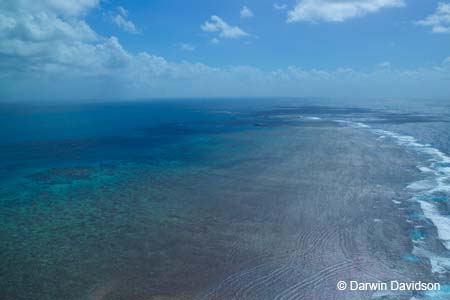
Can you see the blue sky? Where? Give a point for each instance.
(145, 49)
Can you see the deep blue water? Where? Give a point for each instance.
(57, 135)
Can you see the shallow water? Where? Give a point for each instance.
(276, 199)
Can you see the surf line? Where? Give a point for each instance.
(426, 192)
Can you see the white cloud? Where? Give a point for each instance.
(146, 75)
(52, 36)
(280, 6)
(122, 11)
(219, 26)
(17, 22)
(246, 12)
(124, 24)
(337, 10)
(66, 8)
(440, 20)
(89, 59)
(31, 32)
(186, 47)
(120, 19)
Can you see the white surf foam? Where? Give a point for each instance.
(422, 185)
(438, 182)
(353, 124)
(438, 263)
(425, 169)
(442, 223)
(311, 118)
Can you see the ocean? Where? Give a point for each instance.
(224, 198)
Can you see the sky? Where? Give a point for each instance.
(107, 49)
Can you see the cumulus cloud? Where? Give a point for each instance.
(34, 33)
(246, 12)
(440, 20)
(51, 36)
(67, 8)
(337, 10)
(121, 20)
(219, 26)
(20, 22)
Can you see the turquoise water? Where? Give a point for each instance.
(88, 190)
